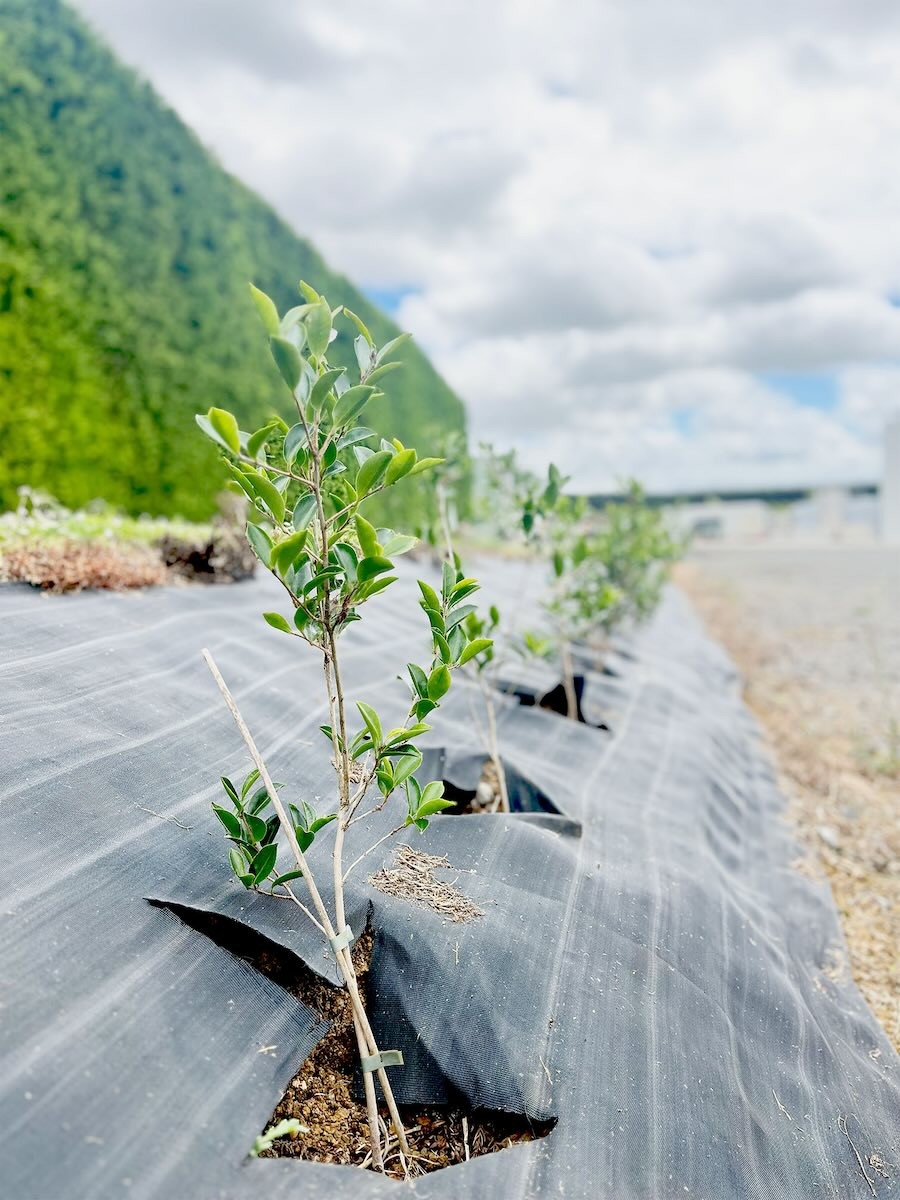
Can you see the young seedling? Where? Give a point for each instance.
(306, 485)
(602, 578)
(288, 1128)
(480, 628)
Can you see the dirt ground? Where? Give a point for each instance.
(816, 633)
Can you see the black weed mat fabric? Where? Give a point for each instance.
(649, 968)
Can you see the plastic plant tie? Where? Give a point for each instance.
(384, 1058)
(341, 940)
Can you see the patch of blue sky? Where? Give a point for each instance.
(818, 390)
(683, 420)
(389, 299)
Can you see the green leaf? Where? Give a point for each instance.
(430, 808)
(388, 349)
(439, 682)
(432, 791)
(303, 815)
(430, 596)
(262, 865)
(203, 423)
(372, 470)
(457, 614)
(225, 428)
(401, 464)
(277, 621)
(406, 735)
(287, 360)
(372, 722)
(384, 777)
(364, 356)
(272, 826)
(395, 544)
(384, 369)
(423, 707)
(321, 822)
(239, 475)
(443, 646)
(257, 440)
(368, 538)
(266, 490)
(308, 292)
(425, 464)
(346, 557)
(413, 794)
(462, 588)
(261, 543)
(238, 862)
(457, 641)
(230, 791)
(448, 579)
(268, 313)
(419, 679)
(323, 386)
(478, 646)
(351, 404)
(359, 434)
(376, 585)
(435, 620)
(229, 820)
(303, 511)
(318, 327)
(359, 325)
(259, 801)
(287, 877)
(249, 782)
(284, 553)
(405, 766)
(370, 567)
(256, 826)
(294, 442)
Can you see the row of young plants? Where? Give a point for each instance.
(310, 490)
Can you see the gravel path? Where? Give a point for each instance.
(816, 633)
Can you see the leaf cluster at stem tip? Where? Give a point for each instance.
(305, 483)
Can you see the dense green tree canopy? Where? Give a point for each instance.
(125, 252)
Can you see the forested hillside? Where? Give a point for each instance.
(125, 252)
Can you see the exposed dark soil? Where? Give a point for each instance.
(323, 1095)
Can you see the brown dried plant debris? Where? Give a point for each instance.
(73, 566)
(412, 878)
(844, 815)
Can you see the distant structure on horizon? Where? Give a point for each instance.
(890, 485)
(846, 514)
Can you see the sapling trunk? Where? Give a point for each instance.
(568, 671)
(501, 803)
(365, 1037)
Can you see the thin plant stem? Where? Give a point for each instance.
(568, 671)
(494, 747)
(374, 846)
(345, 963)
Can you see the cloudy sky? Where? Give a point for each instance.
(651, 237)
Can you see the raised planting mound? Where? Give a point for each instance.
(662, 987)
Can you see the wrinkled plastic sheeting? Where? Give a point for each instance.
(648, 969)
